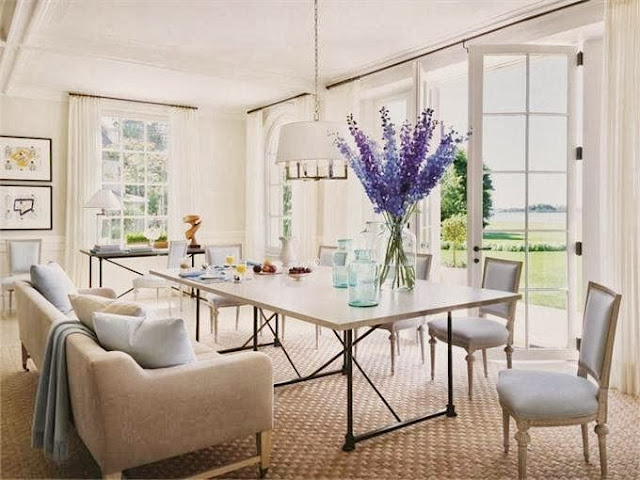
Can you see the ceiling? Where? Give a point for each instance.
(232, 55)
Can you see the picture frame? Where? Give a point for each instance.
(26, 207)
(25, 159)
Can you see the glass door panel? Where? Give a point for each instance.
(522, 116)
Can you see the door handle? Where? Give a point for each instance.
(476, 260)
(476, 248)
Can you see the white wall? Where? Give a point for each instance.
(221, 181)
(40, 118)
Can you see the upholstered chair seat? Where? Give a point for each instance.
(10, 282)
(21, 254)
(533, 394)
(149, 281)
(472, 333)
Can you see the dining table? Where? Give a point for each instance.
(314, 300)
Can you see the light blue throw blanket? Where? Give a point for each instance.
(52, 413)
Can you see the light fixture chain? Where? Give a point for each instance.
(316, 113)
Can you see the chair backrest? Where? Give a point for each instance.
(502, 275)
(217, 254)
(22, 254)
(325, 255)
(423, 266)
(177, 251)
(598, 331)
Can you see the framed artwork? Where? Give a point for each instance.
(25, 159)
(26, 207)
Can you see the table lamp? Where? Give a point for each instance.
(104, 199)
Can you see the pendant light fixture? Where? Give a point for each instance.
(307, 149)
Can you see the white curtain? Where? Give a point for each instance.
(620, 185)
(255, 225)
(183, 172)
(83, 180)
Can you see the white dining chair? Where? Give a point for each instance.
(423, 270)
(480, 333)
(550, 399)
(217, 255)
(21, 254)
(177, 251)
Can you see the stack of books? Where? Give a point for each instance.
(106, 249)
(142, 248)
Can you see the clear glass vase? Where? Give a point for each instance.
(399, 267)
(341, 259)
(363, 280)
(373, 238)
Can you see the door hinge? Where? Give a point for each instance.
(580, 59)
(578, 153)
(579, 249)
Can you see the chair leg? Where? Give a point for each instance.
(10, 301)
(284, 318)
(214, 321)
(25, 357)
(420, 332)
(505, 430)
(484, 362)
(392, 344)
(470, 359)
(3, 303)
(602, 430)
(355, 337)
(112, 476)
(509, 351)
(157, 296)
(398, 342)
(523, 439)
(237, 316)
(317, 336)
(585, 441)
(263, 442)
(432, 347)
(135, 294)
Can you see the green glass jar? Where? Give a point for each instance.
(341, 259)
(363, 280)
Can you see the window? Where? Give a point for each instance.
(279, 205)
(134, 167)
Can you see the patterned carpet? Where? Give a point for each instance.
(310, 421)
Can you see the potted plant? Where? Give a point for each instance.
(161, 241)
(136, 239)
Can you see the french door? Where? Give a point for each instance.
(521, 183)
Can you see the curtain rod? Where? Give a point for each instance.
(453, 44)
(74, 94)
(257, 109)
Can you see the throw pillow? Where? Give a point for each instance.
(54, 284)
(156, 343)
(85, 306)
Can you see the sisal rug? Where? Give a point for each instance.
(310, 420)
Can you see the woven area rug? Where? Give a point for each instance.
(310, 420)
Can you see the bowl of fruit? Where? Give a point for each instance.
(299, 272)
(267, 268)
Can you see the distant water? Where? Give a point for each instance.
(534, 217)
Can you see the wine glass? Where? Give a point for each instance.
(230, 259)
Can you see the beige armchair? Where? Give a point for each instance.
(549, 399)
(480, 333)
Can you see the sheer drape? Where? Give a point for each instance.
(183, 170)
(255, 216)
(83, 180)
(620, 185)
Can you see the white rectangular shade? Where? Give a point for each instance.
(309, 141)
(104, 199)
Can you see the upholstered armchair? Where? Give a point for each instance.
(480, 333)
(549, 399)
(21, 254)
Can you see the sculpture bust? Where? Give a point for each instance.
(194, 221)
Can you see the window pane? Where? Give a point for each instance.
(275, 200)
(133, 168)
(133, 226)
(156, 136)
(505, 83)
(548, 143)
(503, 142)
(548, 327)
(547, 259)
(134, 200)
(508, 202)
(133, 134)
(158, 223)
(157, 201)
(548, 201)
(548, 83)
(111, 167)
(157, 169)
(110, 132)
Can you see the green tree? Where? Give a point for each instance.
(454, 190)
(454, 231)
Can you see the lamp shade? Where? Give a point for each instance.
(309, 141)
(104, 199)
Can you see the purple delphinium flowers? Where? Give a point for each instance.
(397, 177)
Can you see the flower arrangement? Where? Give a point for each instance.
(397, 177)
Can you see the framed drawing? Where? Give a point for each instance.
(25, 159)
(26, 207)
